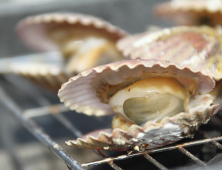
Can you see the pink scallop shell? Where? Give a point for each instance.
(152, 135)
(190, 12)
(80, 94)
(32, 30)
(195, 47)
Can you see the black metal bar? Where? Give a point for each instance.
(8, 141)
(152, 160)
(217, 159)
(122, 157)
(219, 146)
(44, 102)
(62, 119)
(77, 133)
(45, 110)
(38, 132)
(27, 88)
(111, 163)
(68, 124)
(190, 155)
(114, 166)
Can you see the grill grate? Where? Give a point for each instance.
(24, 117)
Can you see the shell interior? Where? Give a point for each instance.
(85, 41)
(54, 29)
(94, 87)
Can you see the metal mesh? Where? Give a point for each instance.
(24, 117)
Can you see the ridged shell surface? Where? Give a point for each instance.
(35, 30)
(45, 69)
(81, 94)
(50, 77)
(197, 47)
(152, 135)
(192, 12)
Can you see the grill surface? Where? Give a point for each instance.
(194, 157)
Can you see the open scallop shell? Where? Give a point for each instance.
(49, 32)
(196, 47)
(192, 12)
(35, 30)
(81, 94)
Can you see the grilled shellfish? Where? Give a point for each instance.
(195, 47)
(156, 103)
(84, 41)
(191, 12)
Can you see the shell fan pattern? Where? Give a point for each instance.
(40, 27)
(191, 12)
(94, 92)
(196, 47)
(84, 42)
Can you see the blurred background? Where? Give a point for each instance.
(19, 149)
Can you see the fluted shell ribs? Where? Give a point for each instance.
(48, 76)
(47, 32)
(197, 47)
(45, 69)
(84, 42)
(89, 91)
(191, 12)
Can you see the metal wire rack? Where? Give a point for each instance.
(25, 118)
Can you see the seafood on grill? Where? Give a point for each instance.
(198, 47)
(191, 12)
(84, 42)
(155, 103)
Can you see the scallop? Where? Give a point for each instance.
(83, 40)
(191, 12)
(45, 69)
(199, 47)
(46, 75)
(155, 103)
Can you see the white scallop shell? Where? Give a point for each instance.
(32, 30)
(45, 69)
(80, 93)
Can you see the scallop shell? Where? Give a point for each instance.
(82, 94)
(45, 69)
(196, 47)
(36, 32)
(35, 29)
(48, 76)
(191, 12)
